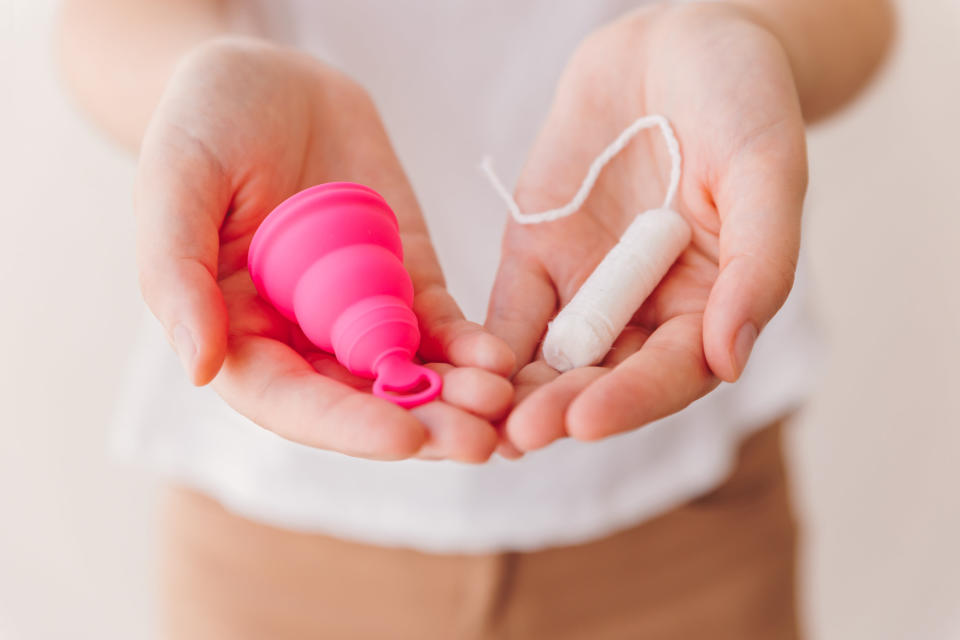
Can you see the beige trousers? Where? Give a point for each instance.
(720, 567)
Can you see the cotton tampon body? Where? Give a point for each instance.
(585, 329)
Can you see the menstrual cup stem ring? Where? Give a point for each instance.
(396, 375)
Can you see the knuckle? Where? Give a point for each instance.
(778, 273)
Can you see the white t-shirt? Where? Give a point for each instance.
(454, 80)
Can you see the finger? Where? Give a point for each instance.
(521, 304)
(482, 393)
(328, 366)
(274, 386)
(446, 336)
(182, 196)
(540, 418)
(508, 451)
(454, 434)
(531, 377)
(760, 201)
(451, 436)
(629, 342)
(664, 376)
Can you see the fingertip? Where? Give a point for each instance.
(204, 373)
(476, 347)
(186, 348)
(200, 362)
(403, 442)
(588, 418)
(480, 392)
(213, 351)
(452, 434)
(495, 355)
(189, 303)
(541, 417)
(386, 431)
(742, 347)
(201, 343)
(718, 351)
(533, 425)
(728, 331)
(508, 451)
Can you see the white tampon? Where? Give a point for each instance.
(585, 329)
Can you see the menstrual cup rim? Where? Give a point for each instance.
(287, 211)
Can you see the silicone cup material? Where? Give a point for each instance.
(330, 259)
(404, 383)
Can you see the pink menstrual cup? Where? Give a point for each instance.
(330, 259)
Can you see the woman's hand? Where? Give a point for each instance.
(725, 83)
(243, 125)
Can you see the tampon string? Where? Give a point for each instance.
(593, 173)
(585, 329)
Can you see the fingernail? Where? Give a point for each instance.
(185, 346)
(743, 345)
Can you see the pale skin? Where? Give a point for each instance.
(227, 127)
(728, 85)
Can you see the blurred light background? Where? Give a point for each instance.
(875, 453)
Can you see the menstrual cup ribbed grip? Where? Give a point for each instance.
(330, 259)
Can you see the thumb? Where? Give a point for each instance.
(181, 198)
(760, 202)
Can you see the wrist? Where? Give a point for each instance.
(252, 56)
(713, 25)
(834, 46)
(795, 48)
(235, 53)
(761, 20)
(827, 67)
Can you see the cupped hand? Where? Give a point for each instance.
(725, 83)
(242, 126)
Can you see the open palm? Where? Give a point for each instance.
(242, 126)
(725, 83)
